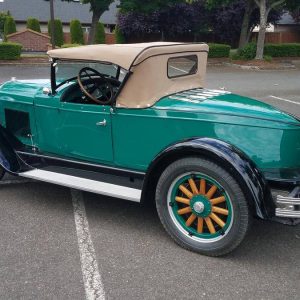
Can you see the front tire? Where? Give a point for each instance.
(202, 206)
(2, 173)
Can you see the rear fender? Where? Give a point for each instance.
(251, 180)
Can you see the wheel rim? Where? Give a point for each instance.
(200, 207)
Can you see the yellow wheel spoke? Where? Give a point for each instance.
(210, 225)
(219, 210)
(211, 191)
(185, 210)
(190, 220)
(193, 186)
(217, 219)
(217, 200)
(186, 191)
(200, 225)
(183, 200)
(202, 187)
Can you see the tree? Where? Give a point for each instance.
(97, 7)
(76, 32)
(9, 26)
(3, 16)
(58, 32)
(100, 34)
(265, 6)
(120, 39)
(33, 24)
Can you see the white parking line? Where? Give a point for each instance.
(286, 100)
(91, 277)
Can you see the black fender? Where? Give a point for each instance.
(239, 165)
(9, 159)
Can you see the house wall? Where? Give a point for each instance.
(30, 40)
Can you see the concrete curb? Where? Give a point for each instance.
(247, 67)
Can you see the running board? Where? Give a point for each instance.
(84, 184)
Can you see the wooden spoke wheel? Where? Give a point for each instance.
(202, 206)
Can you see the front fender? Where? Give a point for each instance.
(251, 180)
(9, 160)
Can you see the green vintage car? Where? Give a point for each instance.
(135, 122)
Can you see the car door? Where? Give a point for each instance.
(85, 131)
(73, 130)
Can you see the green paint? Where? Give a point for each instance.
(133, 137)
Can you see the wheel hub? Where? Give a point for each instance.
(201, 206)
(198, 207)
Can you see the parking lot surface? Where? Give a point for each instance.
(62, 244)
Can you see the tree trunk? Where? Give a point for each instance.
(95, 20)
(244, 36)
(262, 29)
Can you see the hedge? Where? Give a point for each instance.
(58, 32)
(76, 32)
(9, 26)
(218, 50)
(33, 24)
(271, 50)
(248, 52)
(282, 50)
(10, 51)
(70, 45)
(100, 34)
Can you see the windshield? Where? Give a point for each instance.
(68, 70)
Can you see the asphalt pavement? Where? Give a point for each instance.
(58, 244)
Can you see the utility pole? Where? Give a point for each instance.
(52, 24)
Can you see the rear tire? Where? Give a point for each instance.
(202, 206)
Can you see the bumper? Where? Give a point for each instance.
(288, 206)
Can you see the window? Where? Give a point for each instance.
(182, 66)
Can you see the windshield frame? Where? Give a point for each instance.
(55, 86)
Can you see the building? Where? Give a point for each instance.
(287, 24)
(21, 10)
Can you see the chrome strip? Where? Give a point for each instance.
(289, 207)
(84, 184)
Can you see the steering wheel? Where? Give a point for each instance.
(104, 89)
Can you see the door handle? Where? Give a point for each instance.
(101, 123)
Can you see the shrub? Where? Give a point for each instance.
(70, 45)
(119, 36)
(268, 58)
(218, 50)
(235, 56)
(282, 50)
(10, 51)
(58, 32)
(100, 34)
(248, 52)
(33, 24)
(9, 26)
(76, 32)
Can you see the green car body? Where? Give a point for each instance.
(143, 128)
(268, 136)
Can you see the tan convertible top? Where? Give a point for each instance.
(148, 63)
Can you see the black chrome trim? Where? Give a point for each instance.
(44, 160)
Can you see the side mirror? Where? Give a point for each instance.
(46, 91)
